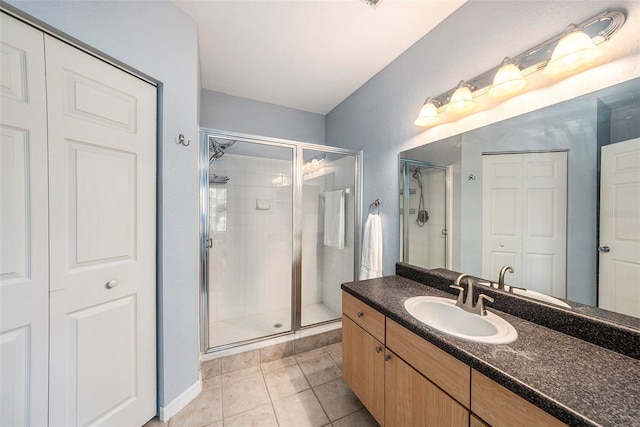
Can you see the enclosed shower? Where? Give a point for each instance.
(423, 209)
(279, 223)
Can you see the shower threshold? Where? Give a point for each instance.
(262, 330)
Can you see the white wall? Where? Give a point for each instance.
(159, 40)
(242, 115)
(379, 116)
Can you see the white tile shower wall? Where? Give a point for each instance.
(250, 264)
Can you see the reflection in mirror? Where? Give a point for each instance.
(555, 193)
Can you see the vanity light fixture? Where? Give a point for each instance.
(508, 80)
(572, 51)
(428, 115)
(462, 100)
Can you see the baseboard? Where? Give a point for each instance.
(181, 401)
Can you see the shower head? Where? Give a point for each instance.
(217, 148)
(417, 174)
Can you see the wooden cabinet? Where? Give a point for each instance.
(363, 367)
(364, 315)
(393, 392)
(405, 381)
(447, 372)
(501, 407)
(413, 400)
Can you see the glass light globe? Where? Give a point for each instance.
(573, 53)
(507, 82)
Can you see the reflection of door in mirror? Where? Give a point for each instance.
(619, 250)
(524, 215)
(425, 216)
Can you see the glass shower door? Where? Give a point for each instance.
(250, 219)
(424, 215)
(329, 240)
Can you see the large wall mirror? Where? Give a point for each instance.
(554, 193)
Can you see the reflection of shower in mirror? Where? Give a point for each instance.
(423, 215)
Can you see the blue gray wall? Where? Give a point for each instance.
(378, 117)
(242, 115)
(158, 39)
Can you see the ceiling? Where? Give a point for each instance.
(305, 54)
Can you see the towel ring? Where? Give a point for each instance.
(375, 203)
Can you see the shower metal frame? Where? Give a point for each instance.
(296, 270)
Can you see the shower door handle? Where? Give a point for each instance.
(209, 243)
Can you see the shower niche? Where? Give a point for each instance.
(279, 221)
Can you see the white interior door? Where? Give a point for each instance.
(24, 269)
(544, 243)
(525, 219)
(618, 284)
(502, 215)
(102, 156)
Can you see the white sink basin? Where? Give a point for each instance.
(443, 315)
(537, 295)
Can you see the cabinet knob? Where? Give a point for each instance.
(387, 357)
(378, 349)
(112, 284)
(360, 314)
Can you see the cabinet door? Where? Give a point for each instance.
(503, 408)
(363, 367)
(24, 268)
(102, 176)
(413, 400)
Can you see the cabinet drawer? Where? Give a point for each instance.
(366, 317)
(444, 370)
(501, 407)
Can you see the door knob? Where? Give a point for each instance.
(112, 284)
(378, 349)
(360, 314)
(387, 357)
(604, 249)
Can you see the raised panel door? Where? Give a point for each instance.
(102, 157)
(501, 214)
(24, 275)
(620, 228)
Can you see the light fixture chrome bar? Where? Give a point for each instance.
(600, 28)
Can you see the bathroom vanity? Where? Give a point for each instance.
(408, 374)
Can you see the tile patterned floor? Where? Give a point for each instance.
(302, 390)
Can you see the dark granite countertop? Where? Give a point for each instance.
(575, 381)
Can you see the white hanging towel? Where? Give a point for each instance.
(371, 263)
(334, 218)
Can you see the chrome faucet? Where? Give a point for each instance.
(503, 271)
(467, 304)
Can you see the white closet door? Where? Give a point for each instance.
(524, 216)
(24, 269)
(619, 287)
(102, 156)
(501, 215)
(544, 243)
